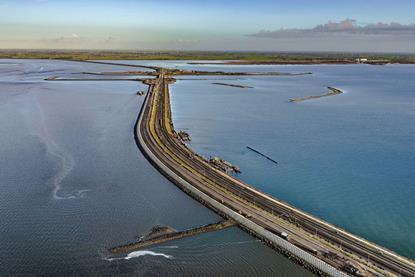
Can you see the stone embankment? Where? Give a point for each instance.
(161, 234)
(332, 91)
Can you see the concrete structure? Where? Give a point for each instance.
(325, 247)
(310, 241)
(225, 211)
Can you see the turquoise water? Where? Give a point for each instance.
(73, 183)
(349, 159)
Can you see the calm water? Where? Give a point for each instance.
(349, 159)
(73, 183)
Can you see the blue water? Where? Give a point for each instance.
(349, 159)
(73, 183)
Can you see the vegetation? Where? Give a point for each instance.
(248, 57)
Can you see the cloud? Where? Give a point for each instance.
(185, 40)
(347, 26)
(73, 38)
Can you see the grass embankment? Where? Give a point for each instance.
(248, 57)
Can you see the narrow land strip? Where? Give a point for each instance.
(232, 85)
(261, 154)
(310, 241)
(332, 92)
(172, 236)
(330, 248)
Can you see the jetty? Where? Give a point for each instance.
(332, 91)
(263, 155)
(111, 73)
(58, 79)
(231, 85)
(161, 234)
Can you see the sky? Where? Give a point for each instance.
(261, 25)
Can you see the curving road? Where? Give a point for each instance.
(319, 238)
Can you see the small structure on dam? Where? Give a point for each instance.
(223, 165)
(184, 136)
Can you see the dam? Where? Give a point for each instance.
(311, 242)
(321, 246)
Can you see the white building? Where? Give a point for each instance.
(361, 60)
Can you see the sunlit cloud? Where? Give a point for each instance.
(347, 26)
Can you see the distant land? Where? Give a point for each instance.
(229, 57)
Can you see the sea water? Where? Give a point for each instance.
(348, 159)
(73, 184)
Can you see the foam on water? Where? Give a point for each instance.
(170, 247)
(137, 254)
(239, 242)
(8, 64)
(66, 162)
(63, 158)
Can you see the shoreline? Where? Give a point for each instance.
(213, 61)
(222, 57)
(295, 62)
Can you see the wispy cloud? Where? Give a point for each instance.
(347, 26)
(71, 39)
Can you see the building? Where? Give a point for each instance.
(361, 60)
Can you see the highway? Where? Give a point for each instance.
(340, 249)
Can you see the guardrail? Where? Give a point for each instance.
(259, 231)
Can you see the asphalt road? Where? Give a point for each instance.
(308, 232)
